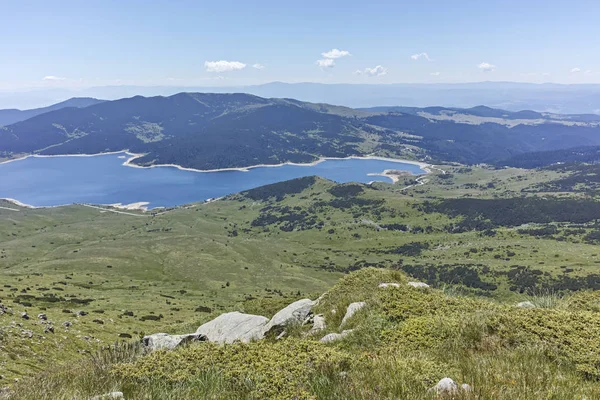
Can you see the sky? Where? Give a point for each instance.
(76, 44)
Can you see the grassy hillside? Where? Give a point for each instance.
(164, 271)
(403, 342)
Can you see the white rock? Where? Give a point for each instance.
(164, 341)
(332, 337)
(446, 385)
(418, 284)
(294, 313)
(385, 285)
(234, 326)
(107, 396)
(466, 387)
(526, 304)
(318, 324)
(353, 309)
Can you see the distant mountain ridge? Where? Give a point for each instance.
(11, 116)
(212, 130)
(512, 96)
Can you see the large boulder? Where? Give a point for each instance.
(234, 327)
(164, 341)
(352, 309)
(294, 313)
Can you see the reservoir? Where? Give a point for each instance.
(104, 179)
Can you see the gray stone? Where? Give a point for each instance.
(108, 396)
(164, 341)
(332, 337)
(445, 386)
(353, 309)
(393, 284)
(294, 313)
(418, 285)
(233, 327)
(526, 304)
(43, 317)
(466, 387)
(24, 315)
(318, 324)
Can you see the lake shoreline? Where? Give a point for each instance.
(133, 156)
(143, 206)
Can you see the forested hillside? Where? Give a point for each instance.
(209, 131)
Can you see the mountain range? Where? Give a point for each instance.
(513, 96)
(209, 131)
(10, 116)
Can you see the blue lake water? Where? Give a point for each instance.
(103, 179)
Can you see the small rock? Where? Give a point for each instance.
(67, 324)
(526, 304)
(352, 309)
(107, 396)
(466, 387)
(318, 324)
(43, 317)
(418, 284)
(385, 285)
(444, 386)
(82, 313)
(24, 315)
(49, 329)
(332, 337)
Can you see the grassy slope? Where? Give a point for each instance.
(190, 253)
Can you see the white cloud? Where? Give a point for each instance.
(588, 72)
(435, 74)
(421, 55)
(326, 63)
(375, 71)
(258, 66)
(53, 78)
(575, 70)
(223, 66)
(486, 67)
(335, 53)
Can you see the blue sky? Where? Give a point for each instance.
(93, 42)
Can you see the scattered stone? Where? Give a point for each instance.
(318, 324)
(466, 387)
(107, 396)
(294, 313)
(418, 285)
(43, 317)
(82, 313)
(67, 324)
(526, 304)
(125, 335)
(164, 341)
(234, 326)
(332, 337)
(28, 333)
(24, 315)
(445, 386)
(385, 285)
(49, 329)
(353, 309)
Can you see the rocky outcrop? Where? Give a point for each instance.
(233, 327)
(352, 309)
(294, 313)
(333, 337)
(164, 341)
